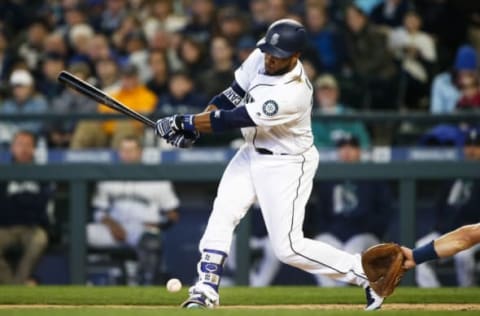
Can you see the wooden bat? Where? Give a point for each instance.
(101, 97)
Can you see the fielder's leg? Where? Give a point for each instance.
(234, 197)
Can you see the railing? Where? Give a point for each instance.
(77, 175)
(365, 116)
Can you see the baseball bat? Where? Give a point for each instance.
(101, 97)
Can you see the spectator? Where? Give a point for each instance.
(232, 24)
(326, 100)
(24, 100)
(136, 48)
(130, 24)
(49, 86)
(445, 92)
(276, 10)
(98, 48)
(457, 205)
(31, 50)
(221, 69)
(259, 16)
(192, 55)
(202, 23)
(55, 44)
(245, 46)
(108, 74)
(416, 54)
(162, 17)
(23, 218)
(160, 73)
(5, 60)
(133, 94)
(469, 86)
(325, 38)
(113, 16)
(370, 60)
(343, 206)
(133, 213)
(390, 13)
(182, 95)
(70, 101)
(79, 38)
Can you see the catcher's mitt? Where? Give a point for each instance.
(382, 264)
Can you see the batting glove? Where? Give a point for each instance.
(183, 139)
(167, 126)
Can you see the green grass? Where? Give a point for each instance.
(78, 295)
(161, 302)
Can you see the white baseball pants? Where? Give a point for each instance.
(282, 185)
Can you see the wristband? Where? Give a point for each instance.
(425, 253)
(185, 122)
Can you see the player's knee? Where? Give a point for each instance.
(286, 256)
(39, 238)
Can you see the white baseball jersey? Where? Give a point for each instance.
(279, 178)
(134, 203)
(280, 106)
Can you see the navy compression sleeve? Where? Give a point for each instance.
(222, 120)
(229, 98)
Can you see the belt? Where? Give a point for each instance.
(264, 151)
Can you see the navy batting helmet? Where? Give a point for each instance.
(284, 38)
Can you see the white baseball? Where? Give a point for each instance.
(174, 285)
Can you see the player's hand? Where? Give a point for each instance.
(166, 127)
(183, 139)
(409, 262)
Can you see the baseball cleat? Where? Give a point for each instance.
(193, 303)
(374, 301)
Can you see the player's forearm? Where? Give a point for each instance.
(202, 122)
(458, 240)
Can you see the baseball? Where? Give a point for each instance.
(174, 285)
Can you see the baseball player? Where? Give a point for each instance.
(271, 101)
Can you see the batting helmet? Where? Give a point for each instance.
(284, 38)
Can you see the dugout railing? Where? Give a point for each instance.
(77, 176)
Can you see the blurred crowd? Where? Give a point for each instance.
(163, 56)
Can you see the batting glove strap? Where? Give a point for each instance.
(184, 123)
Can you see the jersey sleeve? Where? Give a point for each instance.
(247, 71)
(273, 111)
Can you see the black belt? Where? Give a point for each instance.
(264, 151)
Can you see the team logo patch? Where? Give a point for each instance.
(274, 39)
(270, 108)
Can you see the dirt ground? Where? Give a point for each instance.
(429, 307)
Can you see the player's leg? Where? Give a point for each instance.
(283, 185)
(34, 241)
(235, 195)
(322, 280)
(7, 239)
(424, 273)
